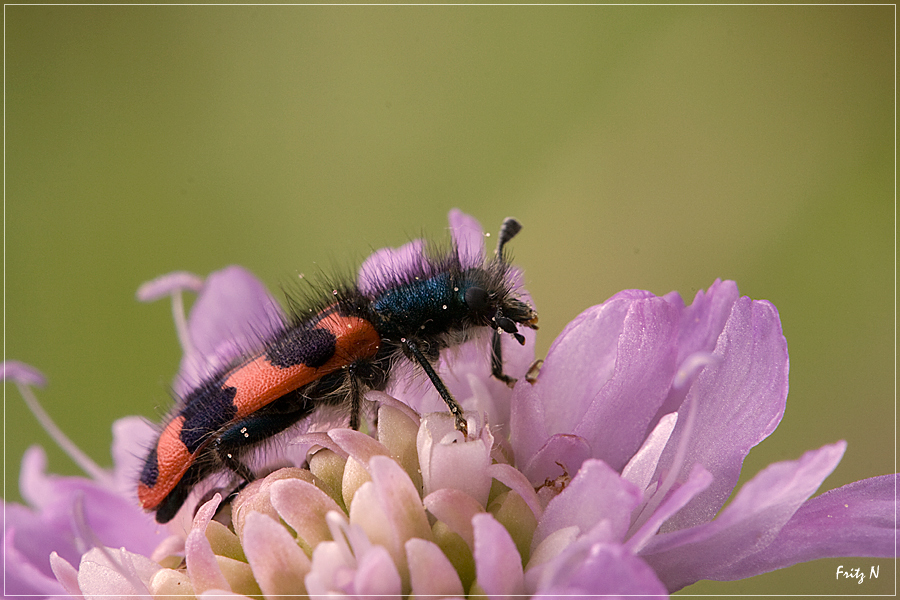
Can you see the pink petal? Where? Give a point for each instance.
(201, 562)
(376, 576)
(389, 511)
(278, 563)
(357, 444)
(698, 481)
(128, 575)
(303, 506)
(65, 573)
(400, 499)
(498, 565)
(448, 461)
(456, 509)
(704, 320)
(513, 479)
(529, 428)
(646, 355)
(23, 574)
(642, 466)
(431, 573)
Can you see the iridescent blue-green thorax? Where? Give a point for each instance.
(426, 306)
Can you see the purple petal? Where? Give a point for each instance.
(645, 364)
(498, 565)
(115, 520)
(562, 453)
(642, 466)
(383, 266)
(36, 487)
(857, 519)
(131, 438)
(701, 324)
(739, 400)
(649, 522)
(529, 429)
(468, 235)
(579, 363)
(705, 318)
(598, 569)
(231, 314)
(613, 364)
(24, 574)
(746, 527)
(595, 493)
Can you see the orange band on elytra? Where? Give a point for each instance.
(172, 460)
(259, 382)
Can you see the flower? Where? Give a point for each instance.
(68, 515)
(603, 473)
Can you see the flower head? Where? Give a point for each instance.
(604, 474)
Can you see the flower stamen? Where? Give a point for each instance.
(172, 285)
(77, 455)
(674, 469)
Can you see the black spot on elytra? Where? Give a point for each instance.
(311, 347)
(206, 410)
(151, 469)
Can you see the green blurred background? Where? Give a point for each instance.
(642, 147)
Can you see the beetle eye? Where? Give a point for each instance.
(477, 299)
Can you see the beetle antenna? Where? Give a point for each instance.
(508, 231)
